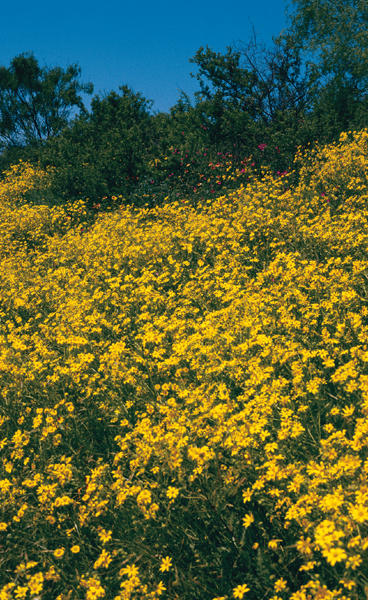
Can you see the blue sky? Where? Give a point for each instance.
(146, 45)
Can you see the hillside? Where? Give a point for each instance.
(184, 391)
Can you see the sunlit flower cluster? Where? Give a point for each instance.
(184, 392)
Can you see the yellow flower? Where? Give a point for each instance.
(166, 564)
(280, 585)
(75, 549)
(160, 589)
(348, 584)
(20, 568)
(273, 544)
(300, 595)
(20, 592)
(334, 555)
(354, 561)
(304, 545)
(63, 501)
(247, 495)
(240, 590)
(248, 520)
(172, 492)
(131, 570)
(308, 566)
(105, 536)
(3, 526)
(359, 513)
(103, 560)
(95, 590)
(59, 552)
(36, 583)
(51, 574)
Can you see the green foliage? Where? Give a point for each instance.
(259, 108)
(103, 152)
(334, 36)
(336, 33)
(264, 86)
(36, 102)
(255, 107)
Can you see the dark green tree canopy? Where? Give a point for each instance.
(129, 108)
(333, 35)
(265, 84)
(103, 151)
(335, 31)
(36, 102)
(255, 105)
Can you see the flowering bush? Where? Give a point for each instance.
(195, 176)
(184, 394)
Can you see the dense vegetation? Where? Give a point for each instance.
(184, 328)
(184, 391)
(254, 104)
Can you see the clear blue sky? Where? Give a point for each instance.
(146, 45)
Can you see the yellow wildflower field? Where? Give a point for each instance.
(184, 391)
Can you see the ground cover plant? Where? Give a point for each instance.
(184, 390)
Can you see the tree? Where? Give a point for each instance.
(258, 100)
(265, 85)
(337, 32)
(334, 33)
(35, 102)
(103, 152)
